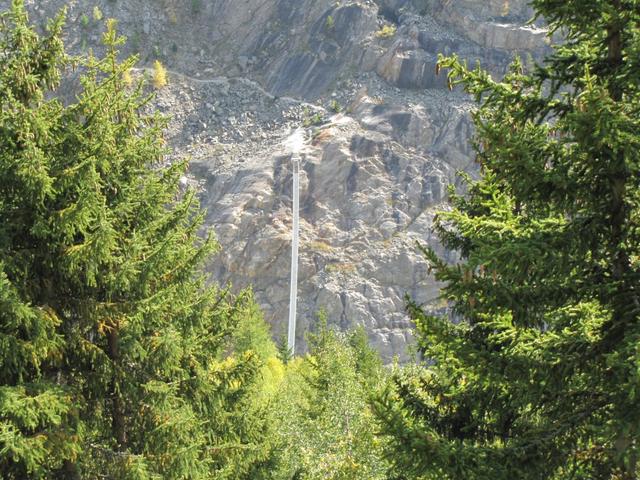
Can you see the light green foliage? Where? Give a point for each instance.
(329, 23)
(308, 119)
(116, 358)
(159, 75)
(323, 424)
(127, 78)
(320, 246)
(314, 409)
(540, 378)
(252, 336)
(387, 31)
(97, 13)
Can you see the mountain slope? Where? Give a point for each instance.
(384, 134)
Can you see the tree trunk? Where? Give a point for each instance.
(625, 444)
(117, 408)
(69, 471)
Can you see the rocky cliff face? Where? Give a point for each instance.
(384, 135)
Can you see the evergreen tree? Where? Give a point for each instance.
(36, 412)
(113, 360)
(252, 336)
(252, 332)
(323, 426)
(540, 378)
(284, 352)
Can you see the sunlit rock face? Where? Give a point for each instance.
(382, 135)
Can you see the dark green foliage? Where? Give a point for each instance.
(540, 378)
(113, 349)
(284, 353)
(196, 6)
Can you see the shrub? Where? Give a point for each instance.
(159, 75)
(196, 6)
(387, 31)
(313, 120)
(330, 23)
(97, 13)
(319, 246)
(343, 267)
(505, 8)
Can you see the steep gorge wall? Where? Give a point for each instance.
(385, 136)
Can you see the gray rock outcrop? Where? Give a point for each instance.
(384, 135)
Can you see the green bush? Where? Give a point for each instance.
(387, 31)
(97, 13)
(196, 6)
(329, 23)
